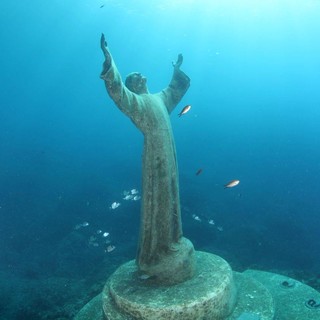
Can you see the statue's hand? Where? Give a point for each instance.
(103, 44)
(104, 48)
(179, 62)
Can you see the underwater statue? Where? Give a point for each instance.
(154, 286)
(163, 253)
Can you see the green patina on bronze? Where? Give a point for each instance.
(162, 251)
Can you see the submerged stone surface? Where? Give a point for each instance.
(291, 296)
(260, 295)
(92, 310)
(210, 294)
(254, 301)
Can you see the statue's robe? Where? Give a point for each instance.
(161, 218)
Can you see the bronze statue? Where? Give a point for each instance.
(163, 252)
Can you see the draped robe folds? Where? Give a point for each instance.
(160, 230)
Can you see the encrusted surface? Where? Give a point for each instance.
(291, 296)
(92, 310)
(254, 300)
(210, 294)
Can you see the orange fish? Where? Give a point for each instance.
(232, 184)
(184, 110)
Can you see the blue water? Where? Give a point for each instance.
(67, 153)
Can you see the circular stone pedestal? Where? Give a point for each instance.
(210, 294)
(293, 300)
(254, 300)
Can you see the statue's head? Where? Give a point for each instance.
(136, 83)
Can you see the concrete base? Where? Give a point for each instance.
(291, 297)
(92, 310)
(175, 266)
(210, 294)
(254, 303)
(254, 300)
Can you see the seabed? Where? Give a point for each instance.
(214, 293)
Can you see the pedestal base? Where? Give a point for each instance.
(293, 299)
(254, 302)
(92, 310)
(175, 266)
(210, 294)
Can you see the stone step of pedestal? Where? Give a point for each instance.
(254, 300)
(261, 296)
(293, 299)
(92, 310)
(210, 294)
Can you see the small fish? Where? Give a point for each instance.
(80, 225)
(110, 248)
(232, 184)
(144, 277)
(211, 222)
(134, 191)
(114, 205)
(195, 217)
(102, 6)
(135, 198)
(105, 234)
(184, 110)
(128, 197)
(198, 172)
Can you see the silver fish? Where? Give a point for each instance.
(184, 110)
(232, 184)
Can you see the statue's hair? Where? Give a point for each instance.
(129, 82)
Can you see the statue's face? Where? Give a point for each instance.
(137, 83)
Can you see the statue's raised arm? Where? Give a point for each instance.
(107, 55)
(178, 86)
(128, 101)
